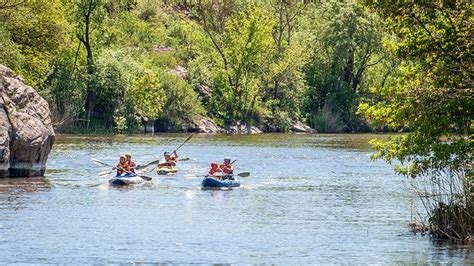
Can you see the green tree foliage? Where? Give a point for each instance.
(241, 35)
(433, 98)
(347, 42)
(32, 35)
(101, 63)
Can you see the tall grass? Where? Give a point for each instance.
(448, 205)
(327, 121)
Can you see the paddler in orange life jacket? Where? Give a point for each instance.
(170, 160)
(215, 170)
(122, 167)
(227, 167)
(131, 164)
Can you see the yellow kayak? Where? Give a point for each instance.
(166, 170)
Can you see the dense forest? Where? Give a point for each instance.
(107, 65)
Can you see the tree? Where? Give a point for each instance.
(347, 42)
(432, 98)
(88, 12)
(284, 81)
(33, 34)
(241, 35)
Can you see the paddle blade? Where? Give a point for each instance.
(244, 174)
(105, 173)
(147, 178)
(143, 166)
(102, 163)
(183, 159)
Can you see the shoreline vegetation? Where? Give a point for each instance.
(239, 66)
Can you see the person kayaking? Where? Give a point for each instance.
(215, 171)
(227, 167)
(170, 160)
(131, 164)
(122, 167)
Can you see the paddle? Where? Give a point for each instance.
(144, 177)
(147, 178)
(187, 139)
(244, 174)
(175, 150)
(143, 166)
(102, 163)
(104, 173)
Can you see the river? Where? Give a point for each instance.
(309, 199)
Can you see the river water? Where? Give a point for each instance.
(309, 199)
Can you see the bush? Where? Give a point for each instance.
(327, 121)
(181, 104)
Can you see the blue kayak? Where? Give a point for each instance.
(125, 179)
(226, 182)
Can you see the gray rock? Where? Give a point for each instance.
(299, 127)
(203, 124)
(26, 131)
(148, 125)
(161, 48)
(238, 128)
(204, 91)
(179, 71)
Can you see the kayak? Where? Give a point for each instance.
(166, 171)
(227, 182)
(125, 179)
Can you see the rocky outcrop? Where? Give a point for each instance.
(299, 127)
(180, 72)
(203, 124)
(204, 92)
(239, 128)
(26, 131)
(148, 125)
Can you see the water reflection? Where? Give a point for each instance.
(14, 192)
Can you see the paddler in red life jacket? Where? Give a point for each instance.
(215, 171)
(122, 167)
(170, 160)
(227, 167)
(131, 164)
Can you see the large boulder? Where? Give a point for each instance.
(26, 131)
(299, 127)
(202, 124)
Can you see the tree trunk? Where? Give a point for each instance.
(91, 96)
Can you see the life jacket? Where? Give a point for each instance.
(228, 169)
(213, 171)
(169, 163)
(131, 164)
(122, 168)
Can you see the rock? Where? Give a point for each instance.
(299, 127)
(203, 124)
(26, 131)
(148, 125)
(180, 72)
(238, 128)
(161, 48)
(204, 91)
